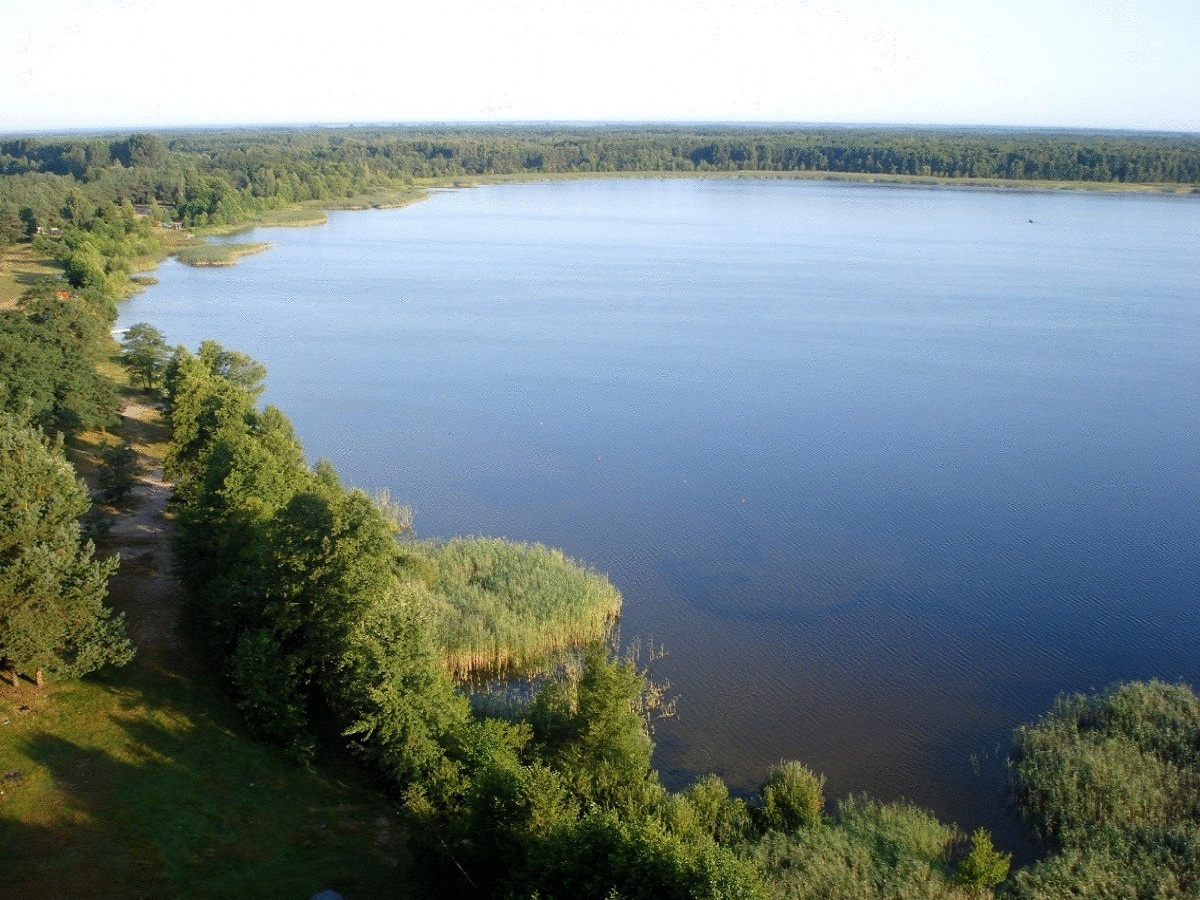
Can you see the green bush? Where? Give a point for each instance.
(269, 694)
(726, 819)
(792, 797)
(984, 866)
(601, 856)
(865, 850)
(119, 465)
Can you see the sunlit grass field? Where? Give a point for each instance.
(20, 267)
(141, 781)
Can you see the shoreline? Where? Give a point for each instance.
(930, 181)
(424, 189)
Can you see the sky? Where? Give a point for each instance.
(120, 64)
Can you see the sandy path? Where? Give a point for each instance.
(145, 588)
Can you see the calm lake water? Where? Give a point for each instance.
(885, 469)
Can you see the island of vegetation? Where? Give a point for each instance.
(317, 624)
(226, 254)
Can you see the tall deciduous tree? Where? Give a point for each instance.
(144, 352)
(52, 613)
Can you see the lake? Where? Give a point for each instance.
(885, 469)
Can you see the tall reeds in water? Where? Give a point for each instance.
(499, 605)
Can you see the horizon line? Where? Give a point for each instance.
(101, 130)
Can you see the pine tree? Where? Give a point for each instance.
(52, 613)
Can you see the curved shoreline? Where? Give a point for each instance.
(293, 216)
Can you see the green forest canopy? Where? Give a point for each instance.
(222, 177)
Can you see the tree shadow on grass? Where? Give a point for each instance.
(159, 800)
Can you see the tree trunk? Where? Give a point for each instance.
(38, 678)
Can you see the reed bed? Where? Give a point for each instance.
(290, 218)
(499, 605)
(218, 254)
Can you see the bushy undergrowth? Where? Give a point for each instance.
(866, 849)
(1112, 782)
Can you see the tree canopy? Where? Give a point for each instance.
(52, 589)
(144, 352)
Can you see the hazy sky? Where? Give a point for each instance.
(124, 63)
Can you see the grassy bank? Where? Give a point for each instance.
(140, 783)
(384, 198)
(288, 217)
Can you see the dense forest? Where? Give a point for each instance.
(325, 620)
(223, 177)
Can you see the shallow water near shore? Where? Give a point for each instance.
(884, 468)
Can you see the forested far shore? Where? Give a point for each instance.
(102, 206)
(223, 177)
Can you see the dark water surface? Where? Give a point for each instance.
(885, 469)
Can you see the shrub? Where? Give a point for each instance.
(601, 856)
(119, 464)
(1123, 757)
(866, 850)
(792, 797)
(984, 866)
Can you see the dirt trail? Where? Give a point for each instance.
(145, 588)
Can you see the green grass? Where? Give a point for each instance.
(384, 198)
(500, 605)
(1112, 781)
(218, 254)
(20, 267)
(1124, 757)
(291, 218)
(140, 783)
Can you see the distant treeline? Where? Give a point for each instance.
(223, 177)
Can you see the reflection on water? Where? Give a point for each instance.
(886, 469)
